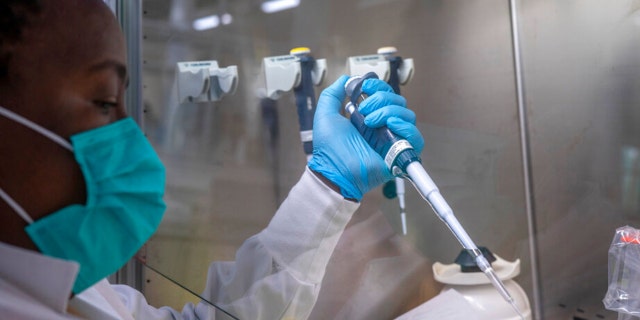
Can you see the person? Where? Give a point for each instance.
(81, 188)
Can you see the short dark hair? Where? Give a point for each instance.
(14, 15)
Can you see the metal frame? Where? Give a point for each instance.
(129, 14)
(525, 146)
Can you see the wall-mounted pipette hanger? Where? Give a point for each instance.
(299, 72)
(204, 81)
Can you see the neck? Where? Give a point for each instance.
(12, 229)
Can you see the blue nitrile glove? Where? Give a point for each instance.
(340, 153)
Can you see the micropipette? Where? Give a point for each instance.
(402, 160)
(298, 71)
(305, 98)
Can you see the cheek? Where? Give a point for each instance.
(70, 185)
(49, 173)
(86, 116)
(74, 115)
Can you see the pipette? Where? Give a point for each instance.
(305, 97)
(402, 160)
(301, 72)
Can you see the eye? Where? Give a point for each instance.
(105, 106)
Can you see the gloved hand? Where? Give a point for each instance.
(340, 153)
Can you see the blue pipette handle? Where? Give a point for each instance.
(397, 152)
(306, 102)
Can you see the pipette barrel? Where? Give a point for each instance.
(399, 182)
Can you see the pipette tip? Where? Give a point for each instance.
(403, 218)
(515, 307)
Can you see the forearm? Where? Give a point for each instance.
(278, 272)
(306, 228)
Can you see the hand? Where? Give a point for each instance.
(340, 153)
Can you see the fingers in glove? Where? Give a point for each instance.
(381, 99)
(408, 131)
(371, 86)
(378, 118)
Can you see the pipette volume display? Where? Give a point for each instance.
(402, 160)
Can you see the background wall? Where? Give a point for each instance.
(231, 163)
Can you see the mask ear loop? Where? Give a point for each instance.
(36, 127)
(43, 131)
(15, 206)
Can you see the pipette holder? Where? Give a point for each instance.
(283, 73)
(205, 81)
(299, 72)
(379, 64)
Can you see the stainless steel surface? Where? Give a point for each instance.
(526, 161)
(580, 67)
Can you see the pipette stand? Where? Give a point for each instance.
(299, 72)
(205, 81)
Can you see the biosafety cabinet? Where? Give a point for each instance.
(530, 111)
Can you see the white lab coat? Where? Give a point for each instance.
(276, 274)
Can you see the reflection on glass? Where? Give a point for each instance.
(631, 180)
(271, 6)
(220, 313)
(231, 163)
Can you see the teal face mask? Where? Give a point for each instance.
(125, 183)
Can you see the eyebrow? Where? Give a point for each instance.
(118, 67)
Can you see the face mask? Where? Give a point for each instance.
(125, 184)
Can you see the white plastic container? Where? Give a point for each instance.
(482, 296)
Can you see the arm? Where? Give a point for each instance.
(277, 273)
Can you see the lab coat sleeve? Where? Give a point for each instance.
(277, 273)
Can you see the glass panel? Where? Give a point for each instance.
(582, 70)
(231, 163)
(180, 298)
